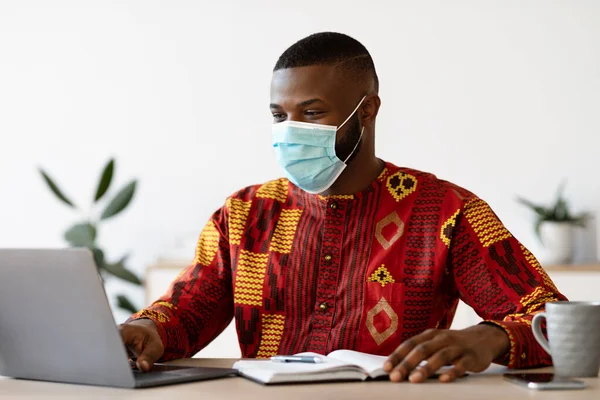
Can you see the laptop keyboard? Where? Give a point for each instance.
(159, 368)
(164, 374)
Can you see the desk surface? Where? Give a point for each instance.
(488, 385)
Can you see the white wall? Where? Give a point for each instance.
(502, 97)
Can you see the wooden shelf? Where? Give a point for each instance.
(169, 264)
(573, 268)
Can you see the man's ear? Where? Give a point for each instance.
(369, 110)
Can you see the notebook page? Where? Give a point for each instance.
(274, 367)
(329, 361)
(372, 364)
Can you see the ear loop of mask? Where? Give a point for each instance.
(353, 112)
(361, 131)
(356, 145)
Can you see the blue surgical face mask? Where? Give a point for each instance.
(306, 152)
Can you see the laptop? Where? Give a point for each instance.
(56, 325)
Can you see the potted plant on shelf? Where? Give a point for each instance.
(85, 233)
(554, 227)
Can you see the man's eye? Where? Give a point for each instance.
(278, 116)
(312, 113)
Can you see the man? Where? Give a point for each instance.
(348, 251)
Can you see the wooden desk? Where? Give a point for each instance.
(488, 386)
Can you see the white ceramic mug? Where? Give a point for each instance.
(573, 337)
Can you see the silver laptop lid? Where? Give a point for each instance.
(55, 320)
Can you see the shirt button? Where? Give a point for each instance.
(327, 257)
(333, 205)
(323, 306)
(523, 356)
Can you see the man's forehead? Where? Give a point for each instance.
(300, 83)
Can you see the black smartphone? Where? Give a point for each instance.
(544, 381)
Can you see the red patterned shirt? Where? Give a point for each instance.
(302, 272)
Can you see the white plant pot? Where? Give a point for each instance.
(557, 238)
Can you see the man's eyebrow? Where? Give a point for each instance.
(304, 103)
(309, 102)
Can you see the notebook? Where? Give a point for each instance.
(339, 365)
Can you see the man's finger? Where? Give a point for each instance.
(406, 347)
(150, 353)
(419, 353)
(444, 356)
(144, 346)
(460, 368)
(132, 340)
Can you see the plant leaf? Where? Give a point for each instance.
(81, 235)
(98, 257)
(561, 189)
(581, 220)
(55, 189)
(120, 201)
(540, 210)
(124, 303)
(561, 211)
(119, 270)
(537, 228)
(105, 180)
(123, 259)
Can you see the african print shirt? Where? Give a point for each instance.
(301, 272)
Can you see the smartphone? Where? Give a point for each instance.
(544, 381)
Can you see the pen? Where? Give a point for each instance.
(302, 359)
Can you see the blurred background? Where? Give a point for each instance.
(501, 97)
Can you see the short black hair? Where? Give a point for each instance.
(329, 48)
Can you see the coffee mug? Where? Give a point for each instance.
(573, 337)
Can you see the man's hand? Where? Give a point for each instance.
(472, 349)
(143, 341)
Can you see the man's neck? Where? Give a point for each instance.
(357, 176)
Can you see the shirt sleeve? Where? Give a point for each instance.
(501, 280)
(198, 305)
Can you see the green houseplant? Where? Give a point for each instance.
(85, 232)
(554, 226)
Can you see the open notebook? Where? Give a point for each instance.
(337, 365)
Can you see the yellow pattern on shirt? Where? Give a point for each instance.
(208, 244)
(484, 222)
(285, 231)
(277, 190)
(238, 215)
(443, 231)
(272, 331)
(250, 278)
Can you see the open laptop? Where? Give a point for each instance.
(56, 325)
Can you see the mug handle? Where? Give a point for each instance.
(536, 327)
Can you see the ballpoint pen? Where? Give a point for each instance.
(301, 359)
